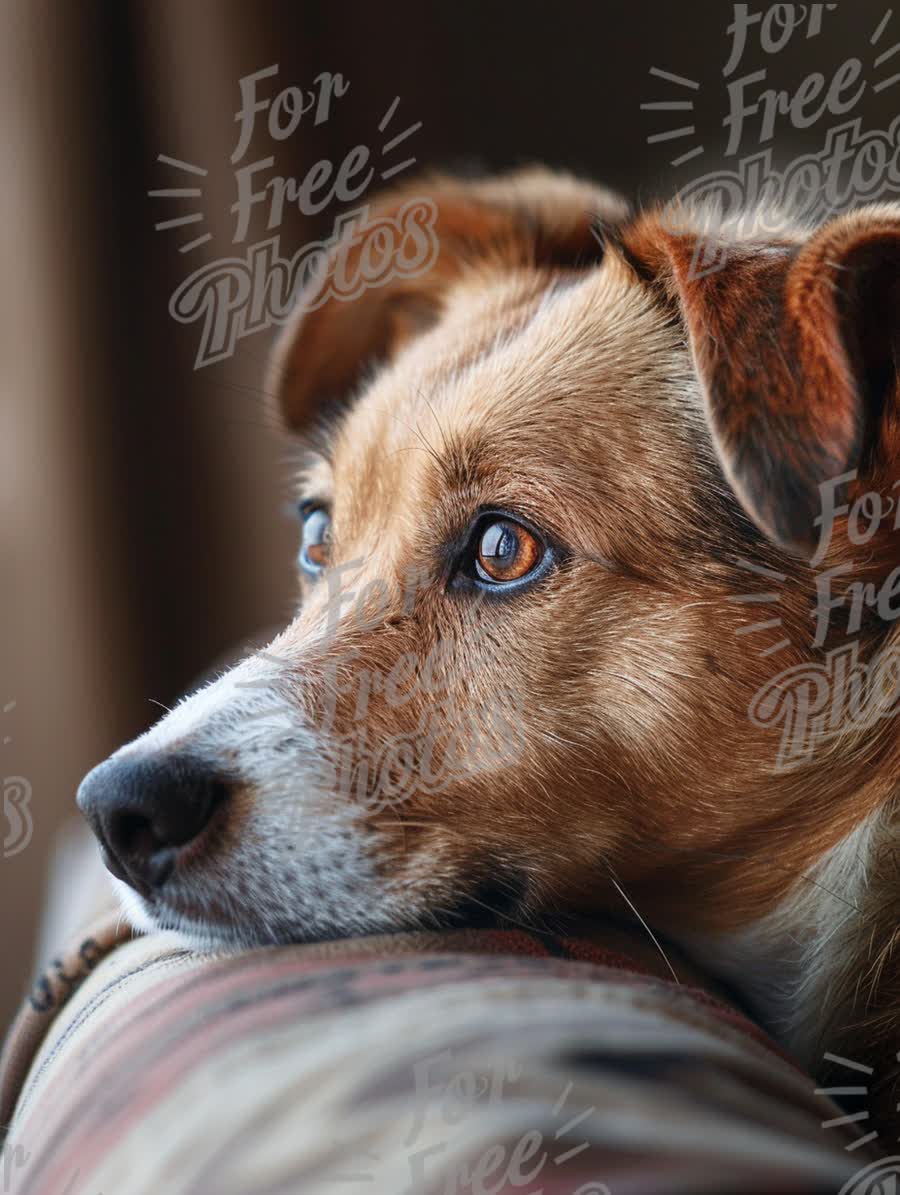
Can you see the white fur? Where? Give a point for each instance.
(795, 966)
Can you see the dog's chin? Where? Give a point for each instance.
(198, 933)
(201, 931)
(207, 924)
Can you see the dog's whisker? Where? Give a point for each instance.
(653, 938)
(440, 428)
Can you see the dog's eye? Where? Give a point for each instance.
(506, 551)
(316, 535)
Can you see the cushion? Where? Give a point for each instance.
(474, 1061)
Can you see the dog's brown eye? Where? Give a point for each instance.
(314, 548)
(507, 552)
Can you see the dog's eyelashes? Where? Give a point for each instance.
(315, 543)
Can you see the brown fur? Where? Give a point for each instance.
(666, 433)
(639, 755)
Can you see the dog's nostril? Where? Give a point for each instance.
(131, 832)
(144, 810)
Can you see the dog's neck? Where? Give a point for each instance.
(822, 971)
(821, 966)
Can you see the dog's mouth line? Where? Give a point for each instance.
(498, 902)
(204, 931)
(495, 903)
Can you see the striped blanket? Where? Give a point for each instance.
(486, 1062)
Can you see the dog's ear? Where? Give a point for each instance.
(795, 343)
(385, 279)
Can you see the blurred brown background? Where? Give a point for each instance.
(144, 529)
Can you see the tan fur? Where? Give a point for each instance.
(599, 396)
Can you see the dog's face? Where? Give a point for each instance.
(535, 479)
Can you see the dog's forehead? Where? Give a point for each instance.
(523, 390)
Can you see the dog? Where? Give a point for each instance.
(567, 487)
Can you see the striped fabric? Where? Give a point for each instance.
(478, 1062)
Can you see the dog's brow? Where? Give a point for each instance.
(460, 459)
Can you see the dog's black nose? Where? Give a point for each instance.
(144, 810)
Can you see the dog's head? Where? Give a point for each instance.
(548, 474)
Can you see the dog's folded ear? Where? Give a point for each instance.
(795, 343)
(384, 280)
